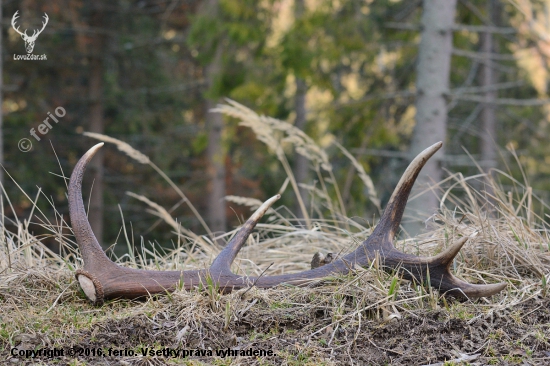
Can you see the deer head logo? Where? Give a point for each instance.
(29, 40)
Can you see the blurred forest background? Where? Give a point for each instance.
(383, 78)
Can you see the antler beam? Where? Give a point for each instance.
(102, 279)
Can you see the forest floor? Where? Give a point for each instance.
(46, 310)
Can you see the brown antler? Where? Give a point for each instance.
(102, 279)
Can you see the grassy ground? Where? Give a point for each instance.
(368, 317)
(340, 322)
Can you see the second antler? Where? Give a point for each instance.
(102, 279)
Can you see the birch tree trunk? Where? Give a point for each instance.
(488, 118)
(432, 86)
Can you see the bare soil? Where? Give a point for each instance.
(517, 335)
(292, 323)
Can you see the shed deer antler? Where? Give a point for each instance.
(103, 279)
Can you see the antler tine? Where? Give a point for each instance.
(92, 254)
(442, 264)
(388, 226)
(222, 263)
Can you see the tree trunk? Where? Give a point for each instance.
(215, 153)
(97, 124)
(432, 85)
(301, 163)
(488, 118)
(300, 170)
(216, 170)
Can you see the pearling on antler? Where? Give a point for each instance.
(102, 279)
